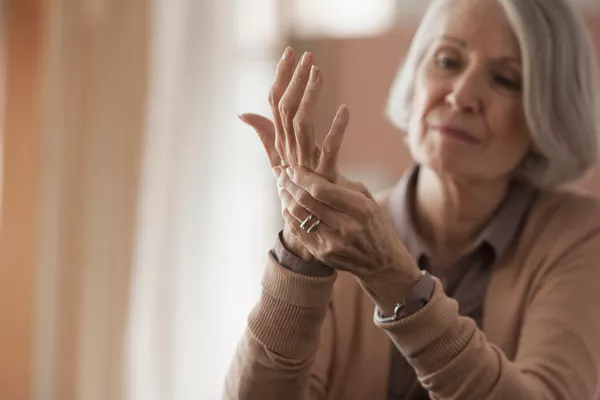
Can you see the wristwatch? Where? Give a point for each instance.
(415, 299)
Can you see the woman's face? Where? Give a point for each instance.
(468, 119)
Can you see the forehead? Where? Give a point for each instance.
(481, 25)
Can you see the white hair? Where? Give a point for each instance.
(560, 94)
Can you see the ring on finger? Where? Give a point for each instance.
(313, 226)
(308, 219)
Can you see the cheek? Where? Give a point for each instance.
(511, 127)
(416, 125)
(510, 139)
(429, 95)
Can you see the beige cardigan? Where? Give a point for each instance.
(308, 338)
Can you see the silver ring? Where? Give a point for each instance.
(308, 219)
(317, 222)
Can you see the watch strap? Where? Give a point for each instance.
(415, 299)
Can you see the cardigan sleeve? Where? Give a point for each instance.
(558, 357)
(286, 349)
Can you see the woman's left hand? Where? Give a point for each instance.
(354, 234)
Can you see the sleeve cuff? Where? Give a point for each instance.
(434, 335)
(289, 260)
(296, 289)
(288, 317)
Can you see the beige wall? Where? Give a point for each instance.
(358, 72)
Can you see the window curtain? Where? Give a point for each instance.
(93, 81)
(208, 210)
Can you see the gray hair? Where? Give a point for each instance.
(560, 94)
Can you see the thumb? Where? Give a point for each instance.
(265, 129)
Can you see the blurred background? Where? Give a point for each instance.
(136, 210)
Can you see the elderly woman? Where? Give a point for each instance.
(472, 278)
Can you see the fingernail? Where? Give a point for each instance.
(290, 172)
(277, 171)
(241, 118)
(314, 73)
(305, 59)
(286, 54)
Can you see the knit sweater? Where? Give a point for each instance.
(315, 338)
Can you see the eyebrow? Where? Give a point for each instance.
(460, 42)
(464, 45)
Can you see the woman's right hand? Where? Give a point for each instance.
(289, 139)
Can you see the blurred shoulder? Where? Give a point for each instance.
(561, 209)
(561, 218)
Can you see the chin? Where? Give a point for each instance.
(446, 163)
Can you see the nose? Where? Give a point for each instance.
(466, 93)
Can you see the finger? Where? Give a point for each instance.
(283, 77)
(304, 121)
(334, 195)
(312, 241)
(265, 130)
(332, 144)
(288, 106)
(299, 213)
(300, 203)
(277, 171)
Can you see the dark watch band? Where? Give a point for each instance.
(413, 301)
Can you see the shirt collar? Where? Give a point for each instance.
(499, 233)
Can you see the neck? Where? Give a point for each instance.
(450, 212)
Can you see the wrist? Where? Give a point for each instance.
(295, 247)
(389, 288)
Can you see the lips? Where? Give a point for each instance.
(455, 133)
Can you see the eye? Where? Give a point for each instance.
(507, 83)
(447, 62)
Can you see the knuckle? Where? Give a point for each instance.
(322, 252)
(329, 250)
(349, 234)
(287, 217)
(305, 199)
(370, 209)
(312, 87)
(362, 188)
(295, 209)
(342, 231)
(316, 190)
(300, 123)
(274, 97)
(285, 110)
